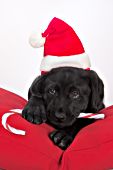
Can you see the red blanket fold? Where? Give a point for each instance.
(92, 148)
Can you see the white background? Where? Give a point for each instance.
(91, 19)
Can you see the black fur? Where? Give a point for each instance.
(59, 96)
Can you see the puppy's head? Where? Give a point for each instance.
(67, 92)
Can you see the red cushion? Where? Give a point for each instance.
(92, 148)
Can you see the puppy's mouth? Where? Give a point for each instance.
(61, 123)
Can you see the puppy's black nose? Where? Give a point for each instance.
(60, 115)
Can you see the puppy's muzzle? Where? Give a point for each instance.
(60, 116)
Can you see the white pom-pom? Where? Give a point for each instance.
(36, 40)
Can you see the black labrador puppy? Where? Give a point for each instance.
(58, 98)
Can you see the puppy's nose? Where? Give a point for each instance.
(60, 116)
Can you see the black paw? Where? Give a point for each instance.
(61, 138)
(34, 114)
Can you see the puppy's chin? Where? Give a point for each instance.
(61, 125)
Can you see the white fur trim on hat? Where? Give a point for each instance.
(80, 61)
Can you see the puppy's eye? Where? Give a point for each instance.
(52, 91)
(74, 94)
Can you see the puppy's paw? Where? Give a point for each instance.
(34, 114)
(61, 138)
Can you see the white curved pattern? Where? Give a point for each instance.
(91, 116)
(16, 110)
(22, 132)
(10, 128)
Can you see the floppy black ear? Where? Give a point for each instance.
(37, 87)
(97, 92)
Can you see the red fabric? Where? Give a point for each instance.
(92, 148)
(45, 72)
(61, 39)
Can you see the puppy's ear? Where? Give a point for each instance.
(37, 87)
(97, 92)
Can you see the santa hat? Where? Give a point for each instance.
(62, 47)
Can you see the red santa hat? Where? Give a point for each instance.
(62, 47)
